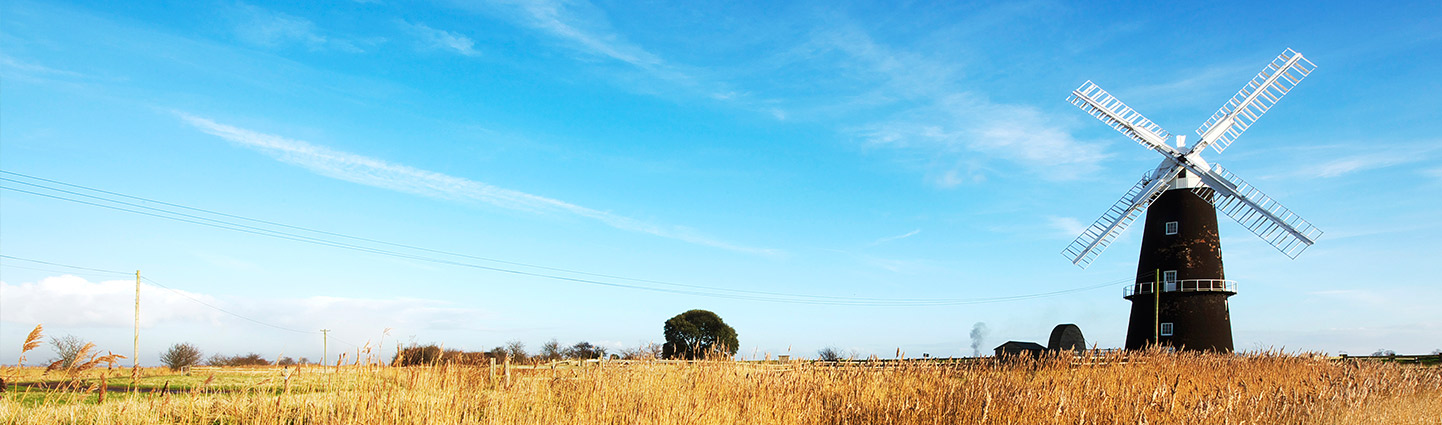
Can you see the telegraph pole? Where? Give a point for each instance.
(1157, 304)
(135, 355)
(325, 346)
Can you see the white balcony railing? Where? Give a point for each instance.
(1185, 285)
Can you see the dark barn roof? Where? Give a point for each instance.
(1013, 348)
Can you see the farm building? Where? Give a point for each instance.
(1017, 348)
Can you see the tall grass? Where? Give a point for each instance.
(1149, 387)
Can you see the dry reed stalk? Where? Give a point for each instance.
(31, 341)
(1150, 387)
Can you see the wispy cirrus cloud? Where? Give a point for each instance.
(1351, 164)
(1067, 227)
(926, 112)
(269, 28)
(1208, 79)
(1345, 159)
(432, 38)
(896, 237)
(956, 131)
(386, 175)
(961, 135)
(583, 28)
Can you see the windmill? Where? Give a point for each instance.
(1180, 296)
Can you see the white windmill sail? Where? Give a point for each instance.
(1107, 108)
(1276, 80)
(1257, 212)
(1095, 239)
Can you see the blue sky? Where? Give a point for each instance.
(866, 151)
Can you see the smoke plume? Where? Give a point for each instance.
(978, 335)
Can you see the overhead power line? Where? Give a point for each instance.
(54, 189)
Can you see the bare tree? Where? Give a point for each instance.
(180, 356)
(551, 351)
(517, 351)
(642, 351)
(218, 359)
(828, 354)
(67, 349)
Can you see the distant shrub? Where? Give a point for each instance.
(68, 350)
(642, 351)
(251, 359)
(180, 356)
(431, 354)
(584, 350)
(416, 355)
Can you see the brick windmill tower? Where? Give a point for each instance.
(1180, 295)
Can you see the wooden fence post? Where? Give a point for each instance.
(508, 371)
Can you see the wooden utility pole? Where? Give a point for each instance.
(135, 355)
(325, 346)
(1157, 304)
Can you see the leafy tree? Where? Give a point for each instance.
(180, 356)
(1384, 352)
(67, 349)
(551, 351)
(696, 334)
(584, 350)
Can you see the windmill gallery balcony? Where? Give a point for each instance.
(1185, 285)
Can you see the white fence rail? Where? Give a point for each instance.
(1185, 285)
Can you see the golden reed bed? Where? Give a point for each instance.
(1151, 387)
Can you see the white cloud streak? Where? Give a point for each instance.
(74, 301)
(1357, 163)
(896, 237)
(440, 39)
(958, 130)
(1067, 227)
(379, 173)
(70, 301)
(584, 28)
(269, 28)
(563, 20)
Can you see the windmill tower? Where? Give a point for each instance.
(1180, 295)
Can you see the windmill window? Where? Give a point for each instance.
(1169, 280)
(1171, 227)
(1166, 329)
